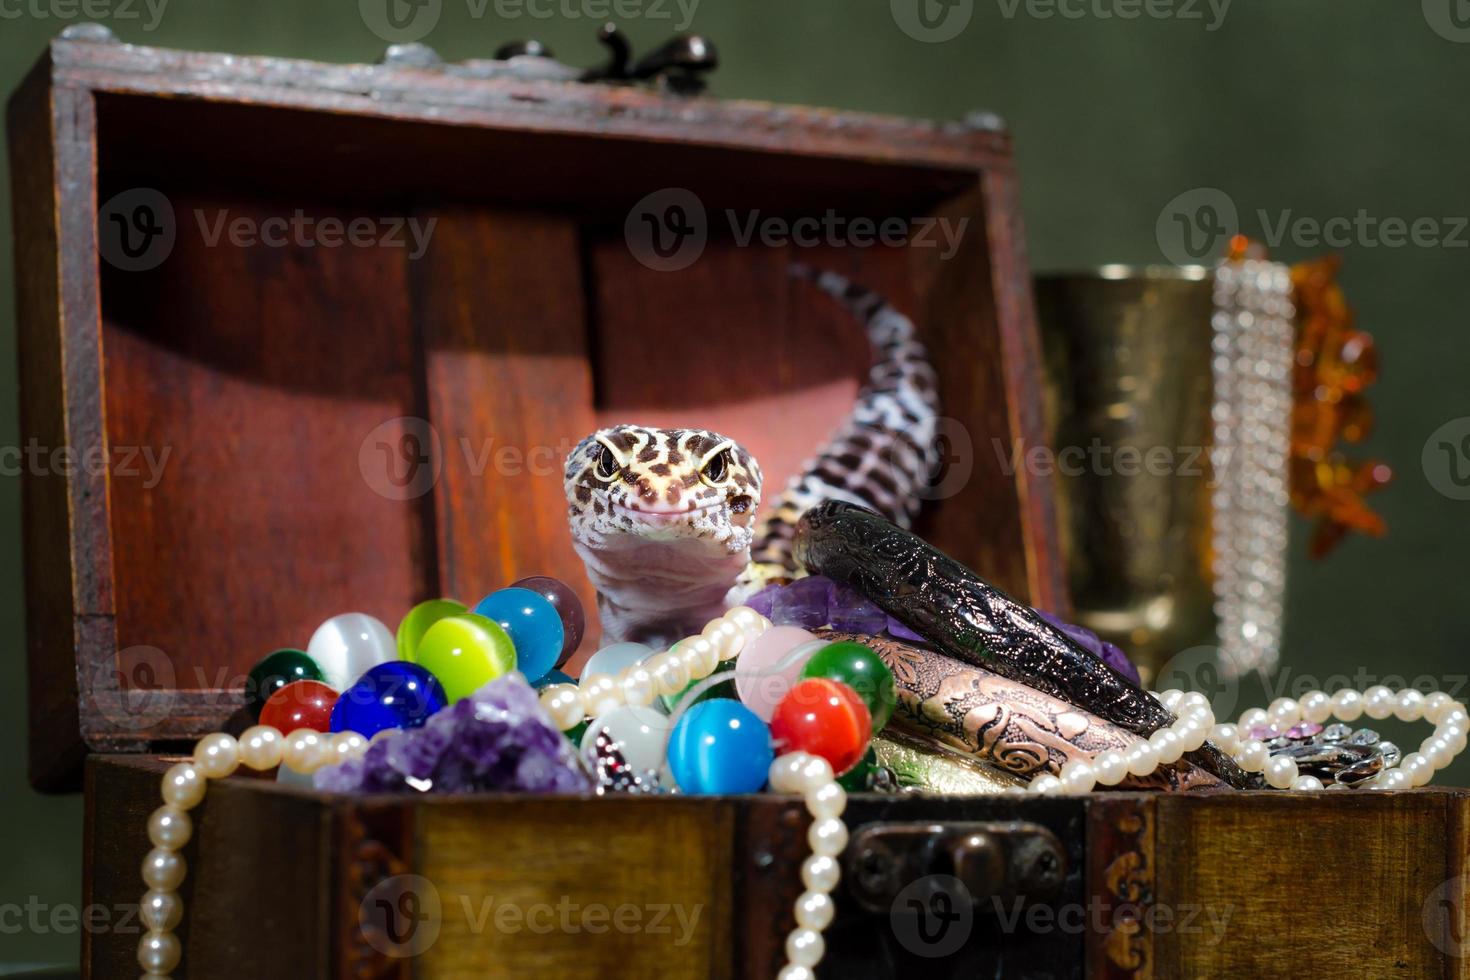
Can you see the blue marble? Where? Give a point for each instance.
(534, 627)
(397, 694)
(720, 746)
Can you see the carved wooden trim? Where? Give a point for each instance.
(1120, 876)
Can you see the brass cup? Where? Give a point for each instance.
(1128, 396)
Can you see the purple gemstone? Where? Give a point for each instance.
(899, 631)
(851, 613)
(762, 600)
(498, 738)
(1265, 732)
(1305, 729)
(807, 603)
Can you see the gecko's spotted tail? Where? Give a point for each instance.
(883, 455)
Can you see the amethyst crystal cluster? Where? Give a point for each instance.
(817, 601)
(498, 738)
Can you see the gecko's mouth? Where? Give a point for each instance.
(664, 515)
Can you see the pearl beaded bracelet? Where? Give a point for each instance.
(1195, 723)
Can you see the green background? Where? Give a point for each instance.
(1319, 107)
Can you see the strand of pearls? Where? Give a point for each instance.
(1378, 703)
(170, 826)
(812, 778)
(1195, 723)
(666, 673)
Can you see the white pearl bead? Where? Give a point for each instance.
(1167, 745)
(1109, 767)
(1045, 783)
(1347, 704)
(1190, 701)
(637, 685)
(666, 671)
(702, 653)
(1253, 755)
(1378, 702)
(1284, 711)
(1191, 734)
(183, 786)
(1252, 718)
(1170, 698)
(170, 828)
(1390, 780)
(819, 873)
(1454, 715)
(828, 836)
(600, 695)
(726, 639)
(305, 751)
(1316, 707)
(1142, 758)
(1280, 771)
(814, 910)
(785, 775)
(216, 756)
(161, 910)
(1409, 706)
(164, 870)
(1226, 737)
(1202, 714)
(563, 702)
(816, 772)
(747, 619)
(1077, 777)
(1418, 768)
(1457, 740)
(826, 801)
(1435, 705)
(260, 747)
(158, 952)
(1438, 750)
(804, 947)
(792, 971)
(1448, 731)
(1306, 783)
(346, 745)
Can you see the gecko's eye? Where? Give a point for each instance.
(607, 465)
(716, 468)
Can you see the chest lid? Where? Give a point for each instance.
(298, 339)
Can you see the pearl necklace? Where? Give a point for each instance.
(1195, 722)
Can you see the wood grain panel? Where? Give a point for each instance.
(544, 888)
(499, 303)
(1320, 884)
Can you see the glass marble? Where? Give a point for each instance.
(346, 646)
(856, 779)
(612, 660)
(826, 718)
(300, 704)
(720, 746)
(860, 669)
(767, 667)
(532, 623)
(567, 606)
(466, 652)
(643, 734)
(275, 672)
(391, 695)
(411, 628)
(287, 776)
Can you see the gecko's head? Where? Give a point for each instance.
(663, 485)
